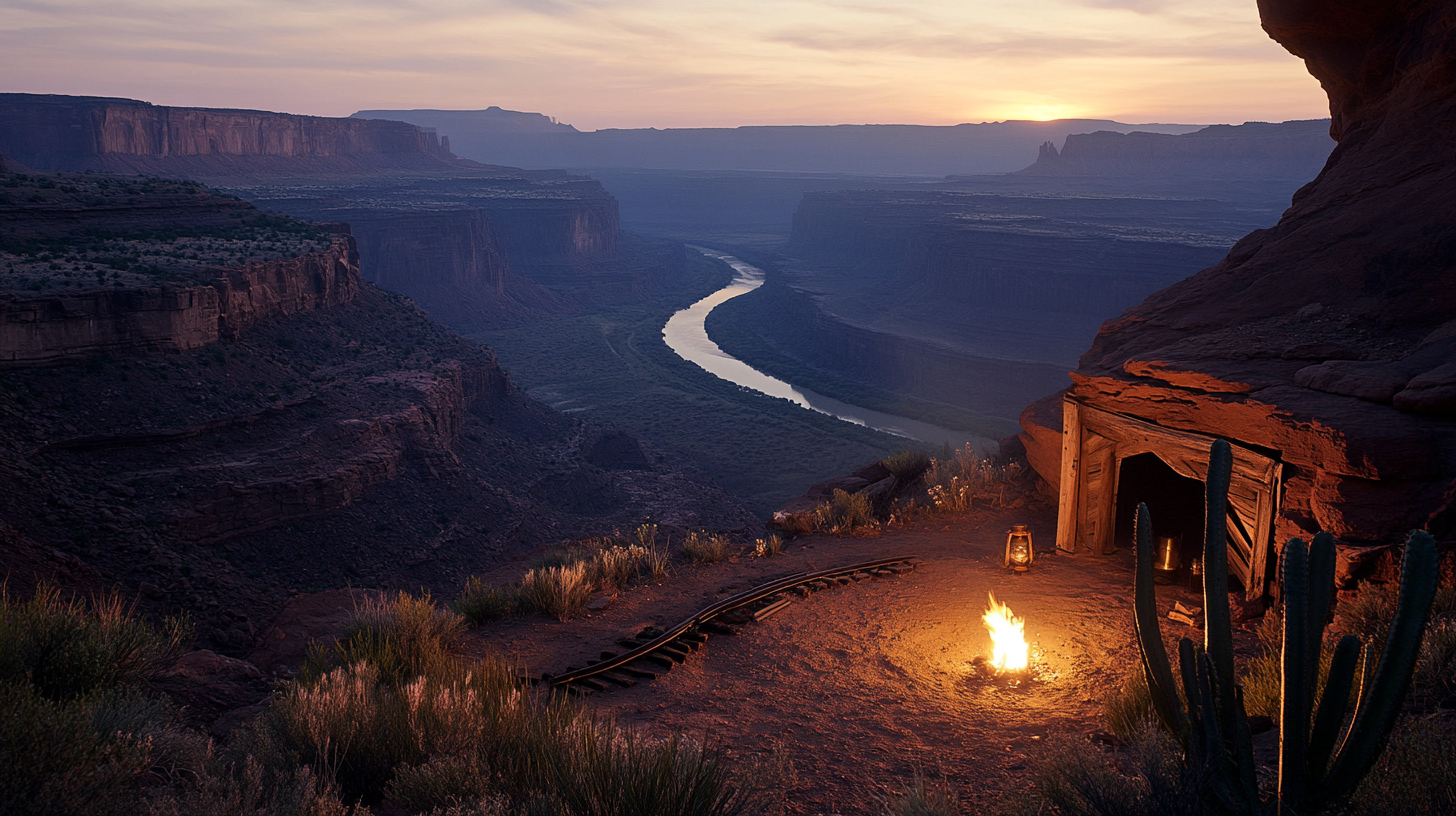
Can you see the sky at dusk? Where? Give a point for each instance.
(671, 63)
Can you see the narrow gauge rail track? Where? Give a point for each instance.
(674, 644)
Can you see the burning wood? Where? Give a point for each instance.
(1009, 651)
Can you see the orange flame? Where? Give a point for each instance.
(1008, 637)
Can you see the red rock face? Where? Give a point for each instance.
(124, 135)
(1327, 339)
(43, 330)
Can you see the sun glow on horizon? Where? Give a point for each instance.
(655, 63)
(1041, 112)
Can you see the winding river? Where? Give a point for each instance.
(686, 335)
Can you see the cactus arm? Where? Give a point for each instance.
(1195, 743)
(1218, 631)
(1381, 700)
(1294, 688)
(1243, 754)
(1220, 768)
(1333, 705)
(1321, 589)
(1150, 635)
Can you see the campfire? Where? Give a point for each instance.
(1008, 638)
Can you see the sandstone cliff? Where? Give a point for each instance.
(1326, 339)
(174, 268)
(127, 136)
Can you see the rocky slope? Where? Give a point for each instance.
(319, 442)
(1327, 339)
(49, 132)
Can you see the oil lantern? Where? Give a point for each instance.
(1019, 553)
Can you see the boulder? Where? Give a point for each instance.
(209, 686)
(319, 617)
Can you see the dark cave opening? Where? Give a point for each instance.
(1175, 502)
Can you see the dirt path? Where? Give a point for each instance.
(862, 685)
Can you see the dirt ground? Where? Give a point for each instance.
(864, 685)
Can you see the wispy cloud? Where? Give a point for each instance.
(602, 63)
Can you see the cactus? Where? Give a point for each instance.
(1315, 767)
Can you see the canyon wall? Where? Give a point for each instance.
(979, 300)
(532, 140)
(1326, 340)
(472, 248)
(48, 329)
(50, 132)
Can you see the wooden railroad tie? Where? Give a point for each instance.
(654, 651)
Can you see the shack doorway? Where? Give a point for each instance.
(1175, 502)
(1096, 444)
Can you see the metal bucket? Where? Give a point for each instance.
(1166, 557)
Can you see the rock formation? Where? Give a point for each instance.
(1294, 150)
(1327, 340)
(50, 132)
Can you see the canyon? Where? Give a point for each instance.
(534, 141)
(212, 433)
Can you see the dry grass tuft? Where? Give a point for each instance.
(702, 548)
(64, 648)
(558, 591)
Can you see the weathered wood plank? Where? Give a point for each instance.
(1071, 477)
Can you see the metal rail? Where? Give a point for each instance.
(708, 613)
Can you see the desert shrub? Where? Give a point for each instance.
(702, 548)
(53, 761)
(354, 728)
(1071, 777)
(768, 548)
(598, 767)
(1369, 613)
(563, 555)
(1128, 711)
(920, 798)
(1436, 668)
(65, 648)
(656, 561)
(615, 566)
(439, 784)
(844, 512)
(559, 591)
(402, 637)
(954, 497)
(492, 805)
(481, 603)
(906, 466)
(250, 789)
(1415, 775)
(954, 479)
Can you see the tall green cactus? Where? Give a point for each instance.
(1315, 767)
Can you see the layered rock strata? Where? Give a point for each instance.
(50, 132)
(1325, 341)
